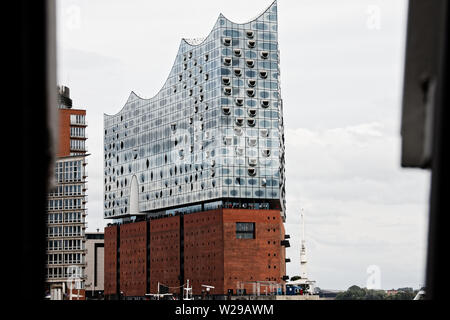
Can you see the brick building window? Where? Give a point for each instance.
(245, 230)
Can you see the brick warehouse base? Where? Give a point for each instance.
(204, 248)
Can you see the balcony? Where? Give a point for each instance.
(78, 149)
(79, 136)
(285, 243)
(78, 122)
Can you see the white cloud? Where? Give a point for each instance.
(361, 208)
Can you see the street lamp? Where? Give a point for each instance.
(208, 288)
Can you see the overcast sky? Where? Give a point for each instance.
(341, 82)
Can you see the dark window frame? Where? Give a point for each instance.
(245, 234)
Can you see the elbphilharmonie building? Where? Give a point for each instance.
(194, 177)
(211, 137)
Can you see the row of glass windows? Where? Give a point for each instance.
(65, 204)
(65, 217)
(78, 132)
(165, 139)
(235, 33)
(236, 185)
(170, 136)
(179, 115)
(260, 177)
(267, 46)
(77, 119)
(168, 176)
(66, 272)
(203, 195)
(265, 158)
(69, 244)
(66, 231)
(174, 130)
(65, 258)
(77, 144)
(272, 186)
(167, 151)
(212, 206)
(67, 190)
(68, 171)
(240, 146)
(184, 139)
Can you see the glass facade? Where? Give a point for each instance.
(214, 131)
(66, 212)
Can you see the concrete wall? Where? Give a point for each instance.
(95, 264)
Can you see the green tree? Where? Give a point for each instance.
(357, 293)
(402, 295)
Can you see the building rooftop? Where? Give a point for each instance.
(95, 235)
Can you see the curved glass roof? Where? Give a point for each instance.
(186, 44)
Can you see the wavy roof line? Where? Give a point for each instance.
(184, 40)
(221, 15)
(254, 19)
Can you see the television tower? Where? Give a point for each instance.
(303, 259)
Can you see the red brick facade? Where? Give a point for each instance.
(133, 259)
(165, 253)
(249, 260)
(64, 130)
(203, 250)
(211, 252)
(110, 262)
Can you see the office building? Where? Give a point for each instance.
(66, 206)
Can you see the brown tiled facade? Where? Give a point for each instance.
(133, 258)
(211, 254)
(259, 259)
(203, 250)
(110, 268)
(165, 253)
(64, 130)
